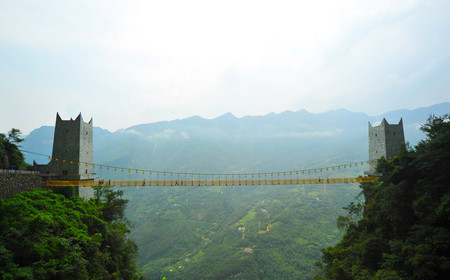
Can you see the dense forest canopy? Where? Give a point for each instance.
(44, 235)
(404, 226)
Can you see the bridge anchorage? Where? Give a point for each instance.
(71, 164)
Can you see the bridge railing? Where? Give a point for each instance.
(198, 183)
(14, 171)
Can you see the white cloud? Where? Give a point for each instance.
(166, 133)
(185, 135)
(325, 133)
(130, 131)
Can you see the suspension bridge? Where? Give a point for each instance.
(212, 182)
(113, 176)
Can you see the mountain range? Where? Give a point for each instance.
(285, 141)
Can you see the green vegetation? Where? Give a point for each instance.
(202, 233)
(10, 155)
(404, 226)
(44, 235)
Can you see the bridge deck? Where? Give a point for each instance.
(176, 183)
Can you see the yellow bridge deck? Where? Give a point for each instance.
(195, 183)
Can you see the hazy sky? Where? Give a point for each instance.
(133, 62)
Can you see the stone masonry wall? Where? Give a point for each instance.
(16, 182)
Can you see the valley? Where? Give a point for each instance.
(261, 232)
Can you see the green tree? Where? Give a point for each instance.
(122, 252)
(10, 155)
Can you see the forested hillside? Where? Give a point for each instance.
(44, 235)
(265, 232)
(402, 230)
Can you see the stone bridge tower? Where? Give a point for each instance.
(385, 141)
(72, 155)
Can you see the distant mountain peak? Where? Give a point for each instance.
(287, 112)
(228, 115)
